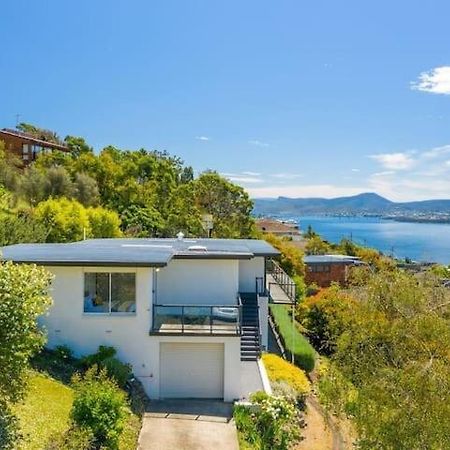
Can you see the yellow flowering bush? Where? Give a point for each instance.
(280, 370)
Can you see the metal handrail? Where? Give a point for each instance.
(284, 280)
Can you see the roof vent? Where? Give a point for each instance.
(180, 236)
(197, 248)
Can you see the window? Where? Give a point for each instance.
(25, 154)
(109, 293)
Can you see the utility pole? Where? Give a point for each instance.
(17, 119)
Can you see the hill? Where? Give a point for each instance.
(365, 203)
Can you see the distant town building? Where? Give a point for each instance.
(326, 269)
(27, 147)
(279, 228)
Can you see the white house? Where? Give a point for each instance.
(189, 315)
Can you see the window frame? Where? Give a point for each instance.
(109, 271)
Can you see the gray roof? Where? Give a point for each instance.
(331, 259)
(135, 252)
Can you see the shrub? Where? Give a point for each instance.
(97, 358)
(117, 370)
(104, 358)
(63, 352)
(293, 341)
(325, 316)
(281, 371)
(272, 423)
(99, 405)
(9, 428)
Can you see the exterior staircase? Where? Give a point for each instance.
(250, 340)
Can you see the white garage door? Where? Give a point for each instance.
(191, 370)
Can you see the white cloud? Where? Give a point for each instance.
(252, 174)
(202, 138)
(242, 178)
(426, 177)
(258, 143)
(436, 81)
(286, 175)
(356, 170)
(395, 161)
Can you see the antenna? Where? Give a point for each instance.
(17, 119)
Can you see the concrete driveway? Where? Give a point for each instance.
(188, 425)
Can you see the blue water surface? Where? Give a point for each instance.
(418, 241)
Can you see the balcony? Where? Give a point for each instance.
(222, 320)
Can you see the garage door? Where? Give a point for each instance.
(191, 370)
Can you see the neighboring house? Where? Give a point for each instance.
(25, 146)
(279, 228)
(326, 269)
(189, 315)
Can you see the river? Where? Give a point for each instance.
(417, 241)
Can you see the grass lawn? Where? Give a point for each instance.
(293, 340)
(46, 410)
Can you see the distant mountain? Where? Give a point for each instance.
(366, 203)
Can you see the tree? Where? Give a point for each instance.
(9, 169)
(58, 183)
(86, 190)
(65, 220)
(77, 145)
(142, 221)
(23, 298)
(103, 223)
(394, 364)
(16, 229)
(228, 203)
(310, 233)
(33, 185)
(39, 133)
(317, 246)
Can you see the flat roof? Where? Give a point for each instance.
(135, 252)
(331, 259)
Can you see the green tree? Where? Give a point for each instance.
(103, 223)
(23, 298)
(16, 229)
(65, 220)
(33, 185)
(58, 183)
(394, 362)
(86, 190)
(142, 222)
(77, 145)
(317, 246)
(39, 133)
(228, 203)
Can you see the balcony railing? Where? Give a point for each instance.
(282, 285)
(197, 319)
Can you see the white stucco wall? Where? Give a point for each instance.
(200, 282)
(249, 270)
(129, 334)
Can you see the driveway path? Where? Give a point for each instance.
(188, 425)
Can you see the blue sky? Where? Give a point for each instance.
(289, 98)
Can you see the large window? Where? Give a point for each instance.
(109, 293)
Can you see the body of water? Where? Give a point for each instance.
(418, 241)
